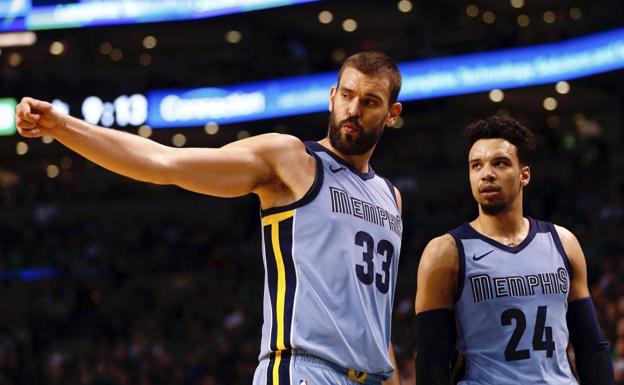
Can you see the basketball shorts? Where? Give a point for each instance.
(305, 369)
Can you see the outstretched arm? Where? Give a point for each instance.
(256, 164)
(435, 303)
(591, 350)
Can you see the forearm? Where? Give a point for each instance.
(593, 362)
(395, 380)
(435, 337)
(396, 377)
(121, 152)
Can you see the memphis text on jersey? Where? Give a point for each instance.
(345, 204)
(485, 288)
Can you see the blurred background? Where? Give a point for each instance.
(104, 280)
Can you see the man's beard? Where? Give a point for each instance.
(494, 208)
(353, 144)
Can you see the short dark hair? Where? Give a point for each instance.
(504, 128)
(374, 63)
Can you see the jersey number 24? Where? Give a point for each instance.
(542, 334)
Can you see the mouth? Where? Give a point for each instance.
(350, 128)
(489, 191)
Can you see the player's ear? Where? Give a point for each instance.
(332, 95)
(393, 115)
(525, 175)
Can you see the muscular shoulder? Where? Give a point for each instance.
(399, 199)
(437, 275)
(565, 235)
(570, 244)
(441, 250)
(285, 155)
(573, 250)
(272, 146)
(292, 169)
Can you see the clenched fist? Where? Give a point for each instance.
(34, 118)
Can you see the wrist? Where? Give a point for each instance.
(60, 126)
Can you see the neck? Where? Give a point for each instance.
(509, 225)
(359, 162)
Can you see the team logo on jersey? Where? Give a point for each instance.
(303, 382)
(343, 203)
(485, 287)
(480, 257)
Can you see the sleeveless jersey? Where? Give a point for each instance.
(331, 263)
(511, 308)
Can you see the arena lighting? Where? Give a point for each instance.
(245, 102)
(17, 39)
(29, 275)
(511, 68)
(7, 116)
(483, 72)
(23, 15)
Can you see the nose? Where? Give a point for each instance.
(487, 173)
(353, 109)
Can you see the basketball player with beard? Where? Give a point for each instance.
(331, 226)
(507, 291)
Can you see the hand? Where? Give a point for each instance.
(34, 118)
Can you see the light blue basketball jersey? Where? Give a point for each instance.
(511, 308)
(331, 264)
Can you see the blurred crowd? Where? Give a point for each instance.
(106, 281)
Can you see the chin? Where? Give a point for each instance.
(493, 208)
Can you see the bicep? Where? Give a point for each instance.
(261, 164)
(437, 275)
(229, 171)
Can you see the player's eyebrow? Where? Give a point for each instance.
(497, 157)
(368, 94)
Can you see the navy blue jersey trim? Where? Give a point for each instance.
(284, 368)
(461, 256)
(315, 146)
(555, 236)
(392, 192)
(309, 195)
(283, 257)
(270, 366)
(471, 233)
(271, 268)
(541, 226)
(286, 241)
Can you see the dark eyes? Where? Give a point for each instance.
(366, 102)
(369, 102)
(496, 163)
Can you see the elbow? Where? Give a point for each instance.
(160, 169)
